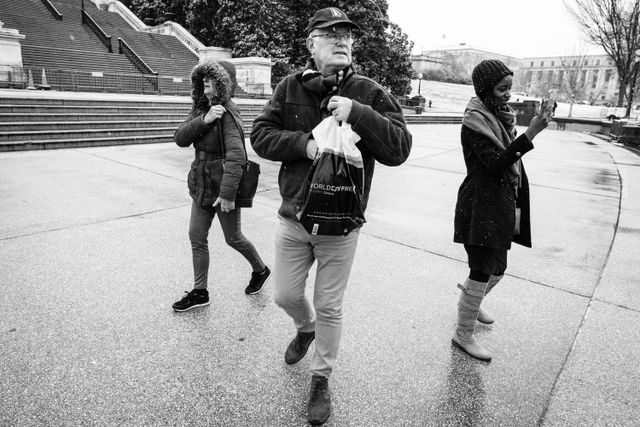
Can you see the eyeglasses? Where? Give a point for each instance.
(335, 37)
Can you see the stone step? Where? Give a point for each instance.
(86, 117)
(432, 119)
(90, 109)
(46, 144)
(76, 134)
(60, 126)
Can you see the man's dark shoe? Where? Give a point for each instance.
(298, 347)
(193, 299)
(319, 407)
(258, 280)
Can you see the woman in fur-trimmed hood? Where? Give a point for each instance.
(214, 127)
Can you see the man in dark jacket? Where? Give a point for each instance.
(329, 86)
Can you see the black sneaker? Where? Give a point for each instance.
(258, 280)
(193, 299)
(298, 347)
(319, 407)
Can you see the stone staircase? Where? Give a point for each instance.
(75, 59)
(424, 119)
(58, 44)
(39, 120)
(47, 120)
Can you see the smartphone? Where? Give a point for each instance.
(548, 107)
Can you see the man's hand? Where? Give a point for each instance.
(215, 112)
(312, 149)
(340, 107)
(225, 205)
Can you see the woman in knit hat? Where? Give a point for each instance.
(214, 127)
(492, 208)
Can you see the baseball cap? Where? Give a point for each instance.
(328, 17)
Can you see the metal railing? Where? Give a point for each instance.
(151, 75)
(64, 79)
(12, 78)
(52, 9)
(254, 90)
(87, 81)
(93, 26)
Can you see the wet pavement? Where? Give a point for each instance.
(94, 250)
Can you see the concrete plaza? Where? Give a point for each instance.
(94, 250)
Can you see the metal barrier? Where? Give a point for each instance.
(87, 81)
(12, 78)
(151, 75)
(68, 80)
(254, 90)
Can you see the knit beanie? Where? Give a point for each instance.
(486, 74)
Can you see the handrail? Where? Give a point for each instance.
(104, 37)
(53, 10)
(179, 32)
(124, 48)
(169, 27)
(127, 15)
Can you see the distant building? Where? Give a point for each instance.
(423, 63)
(596, 77)
(457, 60)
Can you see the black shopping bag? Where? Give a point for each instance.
(333, 206)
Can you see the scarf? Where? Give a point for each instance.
(323, 85)
(499, 127)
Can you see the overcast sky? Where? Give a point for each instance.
(521, 28)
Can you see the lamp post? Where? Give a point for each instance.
(634, 81)
(419, 82)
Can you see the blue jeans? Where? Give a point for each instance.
(199, 225)
(296, 251)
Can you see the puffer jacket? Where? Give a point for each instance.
(206, 138)
(281, 132)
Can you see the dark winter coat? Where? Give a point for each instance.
(281, 132)
(206, 138)
(485, 209)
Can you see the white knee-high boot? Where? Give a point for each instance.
(483, 316)
(468, 308)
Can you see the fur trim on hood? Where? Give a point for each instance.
(223, 84)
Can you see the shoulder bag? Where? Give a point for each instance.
(250, 172)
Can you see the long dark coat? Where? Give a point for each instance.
(485, 209)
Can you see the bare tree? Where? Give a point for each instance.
(575, 78)
(613, 24)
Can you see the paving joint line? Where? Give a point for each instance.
(530, 184)
(535, 282)
(102, 221)
(587, 310)
(127, 164)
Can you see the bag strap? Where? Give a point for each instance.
(221, 135)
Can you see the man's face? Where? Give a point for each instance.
(331, 48)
